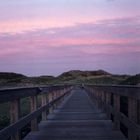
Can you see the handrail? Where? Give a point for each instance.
(17, 93)
(10, 130)
(49, 97)
(121, 104)
(13, 94)
(128, 91)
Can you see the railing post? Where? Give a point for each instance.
(117, 109)
(105, 96)
(101, 101)
(104, 101)
(98, 99)
(33, 102)
(132, 109)
(14, 116)
(54, 97)
(43, 103)
(138, 112)
(50, 99)
(108, 102)
(57, 95)
(61, 92)
(132, 114)
(92, 95)
(138, 115)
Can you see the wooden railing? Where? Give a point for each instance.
(50, 97)
(122, 106)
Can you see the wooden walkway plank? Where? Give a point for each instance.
(76, 119)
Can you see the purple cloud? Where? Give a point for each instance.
(83, 46)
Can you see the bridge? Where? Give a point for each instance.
(89, 112)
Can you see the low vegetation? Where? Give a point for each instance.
(132, 80)
(70, 77)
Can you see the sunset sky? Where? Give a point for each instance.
(48, 37)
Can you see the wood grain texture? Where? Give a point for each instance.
(76, 119)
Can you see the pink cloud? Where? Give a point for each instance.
(24, 25)
(110, 50)
(88, 41)
(67, 45)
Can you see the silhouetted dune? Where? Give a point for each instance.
(70, 77)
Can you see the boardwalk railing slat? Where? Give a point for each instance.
(14, 94)
(120, 103)
(115, 96)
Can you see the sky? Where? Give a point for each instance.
(48, 37)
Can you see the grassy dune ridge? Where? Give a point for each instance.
(70, 77)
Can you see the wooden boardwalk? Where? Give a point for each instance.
(76, 119)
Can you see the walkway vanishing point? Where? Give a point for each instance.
(83, 114)
(76, 119)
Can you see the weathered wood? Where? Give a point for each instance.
(14, 111)
(13, 128)
(98, 99)
(117, 109)
(56, 93)
(50, 99)
(44, 101)
(33, 102)
(105, 102)
(14, 117)
(10, 130)
(132, 109)
(108, 103)
(13, 94)
(100, 93)
(132, 94)
(127, 91)
(77, 119)
(138, 112)
(17, 93)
